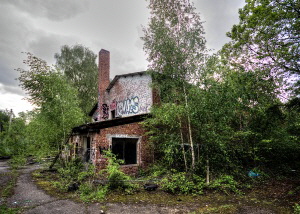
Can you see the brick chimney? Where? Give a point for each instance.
(103, 81)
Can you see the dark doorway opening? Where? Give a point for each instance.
(88, 149)
(113, 114)
(125, 149)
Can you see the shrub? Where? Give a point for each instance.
(181, 183)
(89, 193)
(17, 161)
(296, 209)
(72, 173)
(116, 178)
(225, 184)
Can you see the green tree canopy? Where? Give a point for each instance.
(268, 34)
(175, 46)
(78, 64)
(57, 106)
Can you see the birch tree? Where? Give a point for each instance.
(57, 106)
(175, 44)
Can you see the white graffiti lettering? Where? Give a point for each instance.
(128, 106)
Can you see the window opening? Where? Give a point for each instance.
(113, 114)
(125, 149)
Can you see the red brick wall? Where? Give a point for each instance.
(103, 82)
(144, 152)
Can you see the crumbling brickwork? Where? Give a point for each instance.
(133, 130)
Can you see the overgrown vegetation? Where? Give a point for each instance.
(8, 181)
(226, 123)
(7, 184)
(6, 210)
(219, 114)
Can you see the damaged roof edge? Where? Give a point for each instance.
(96, 126)
(123, 75)
(93, 109)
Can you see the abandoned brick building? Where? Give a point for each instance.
(122, 104)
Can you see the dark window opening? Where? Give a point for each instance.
(88, 149)
(125, 149)
(113, 114)
(77, 149)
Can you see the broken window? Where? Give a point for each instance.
(125, 149)
(113, 114)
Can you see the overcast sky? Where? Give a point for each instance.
(43, 26)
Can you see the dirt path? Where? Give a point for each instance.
(35, 201)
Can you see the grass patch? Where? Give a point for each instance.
(8, 181)
(49, 181)
(6, 210)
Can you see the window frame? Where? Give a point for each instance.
(138, 146)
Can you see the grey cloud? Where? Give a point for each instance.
(11, 44)
(19, 35)
(219, 16)
(45, 45)
(121, 63)
(4, 89)
(56, 10)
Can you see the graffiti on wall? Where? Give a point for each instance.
(93, 154)
(105, 111)
(128, 106)
(113, 105)
(145, 108)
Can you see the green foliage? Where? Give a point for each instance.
(4, 119)
(167, 143)
(12, 138)
(90, 193)
(57, 105)
(6, 210)
(225, 184)
(8, 182)
(296, 209)
(17, 160)
(116, 178)
(267, 36)
(78, 64)
(182, 183)
(71, 173)
(175, 46)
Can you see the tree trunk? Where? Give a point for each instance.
(59, 153)
(207, 171)
(182, 146)
(189, 130)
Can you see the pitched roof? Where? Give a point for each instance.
(123, 75)
(112, 84)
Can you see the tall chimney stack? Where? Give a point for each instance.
(103, 81)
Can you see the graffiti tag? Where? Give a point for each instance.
(113, 105)
(128, 106)
(105, 111)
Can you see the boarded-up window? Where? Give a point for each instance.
(125, 149)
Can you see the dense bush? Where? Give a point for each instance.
(182, 183)
(225, 184)
(116, 178)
